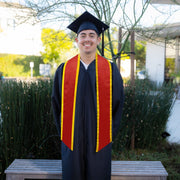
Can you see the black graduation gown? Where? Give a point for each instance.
(84, 163)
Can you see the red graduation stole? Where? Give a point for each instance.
(104, 101)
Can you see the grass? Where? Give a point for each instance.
(168, 154)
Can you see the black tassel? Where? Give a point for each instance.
(102, 41)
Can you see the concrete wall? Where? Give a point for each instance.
(155, 61)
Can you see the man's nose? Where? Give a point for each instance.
(87, 38)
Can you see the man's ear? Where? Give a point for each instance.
(99, 39)
(76, 39)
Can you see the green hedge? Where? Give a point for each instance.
(12, 65)
(27, 128)
(146, 110)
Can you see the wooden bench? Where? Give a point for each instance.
(21, 169)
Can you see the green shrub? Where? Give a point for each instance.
(27, 128)
(12, 65)
(146, 110)
(1, 74)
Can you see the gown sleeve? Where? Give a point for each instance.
(56, 97)
(117, 99)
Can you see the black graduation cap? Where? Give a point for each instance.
(88, 21)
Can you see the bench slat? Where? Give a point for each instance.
(122, 170)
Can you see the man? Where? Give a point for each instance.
(87, 101)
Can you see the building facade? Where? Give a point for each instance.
(166, 44)
(20, 30)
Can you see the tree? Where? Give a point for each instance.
(126, 14)
(57, 46)
(105, 10)
(140, 54)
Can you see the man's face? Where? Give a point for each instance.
(87, 41)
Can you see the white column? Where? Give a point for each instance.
(155, 61)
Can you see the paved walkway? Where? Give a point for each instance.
(173, 125)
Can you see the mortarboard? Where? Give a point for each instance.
(88, 21)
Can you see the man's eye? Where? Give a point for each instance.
(82, 35)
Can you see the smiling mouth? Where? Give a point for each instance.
(87, 45)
